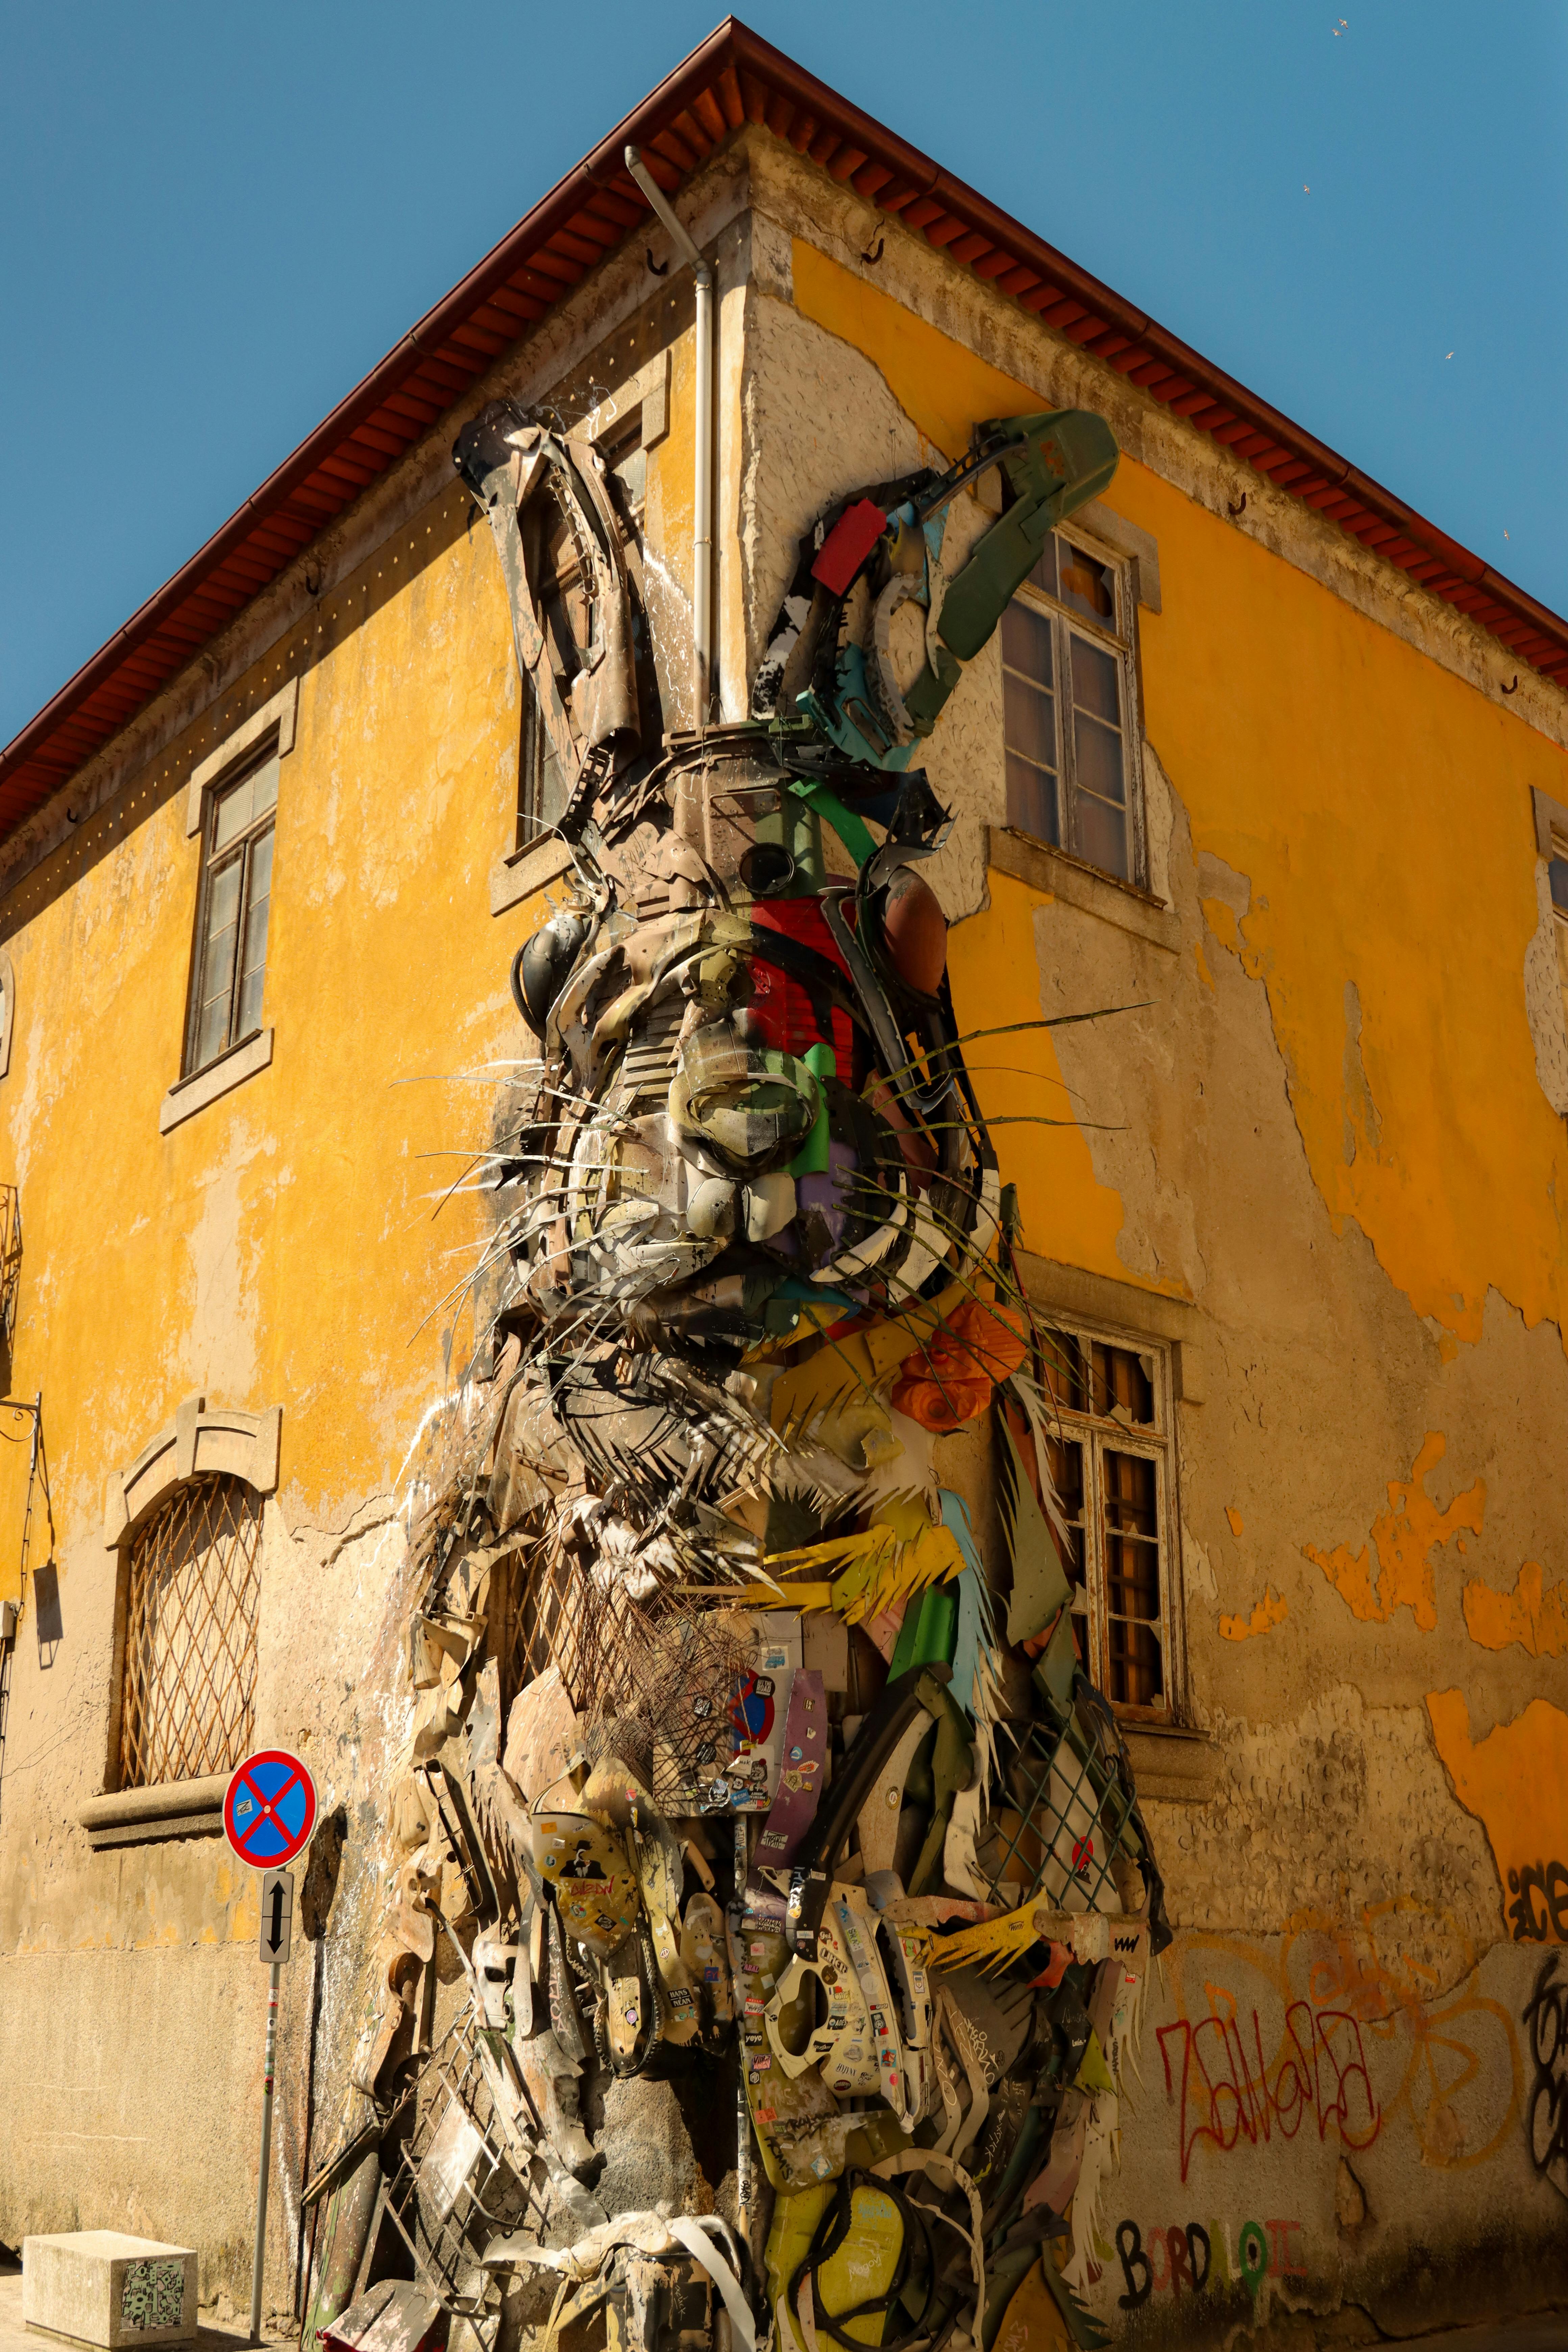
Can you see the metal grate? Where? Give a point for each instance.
(457, 2180)
(1066, 1815)
(190, 1636)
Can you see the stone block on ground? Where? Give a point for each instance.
(103, 2287)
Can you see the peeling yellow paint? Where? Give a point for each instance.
(1331, 765)
(1233, 1517)
(1271, 1610)
(1515, 1781)
(1538, 1622)
(1404, 1536)
(995, 968)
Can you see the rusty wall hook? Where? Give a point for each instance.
(72, 818)
(659, 268)
(873, 257)
(313, 587)
(1514, 688)
(1233, 513)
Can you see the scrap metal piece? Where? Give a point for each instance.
(395, 2315)
(884, 1727)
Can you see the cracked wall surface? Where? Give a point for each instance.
(1305, 1130)
(1326, 1130)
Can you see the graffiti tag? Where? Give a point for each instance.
(1179, 2260)
(1322, 2070)
(1549, 1880)
(1546, 2110)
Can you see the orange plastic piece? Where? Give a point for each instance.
(949, 1383)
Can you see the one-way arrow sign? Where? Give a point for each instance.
(277, 1914)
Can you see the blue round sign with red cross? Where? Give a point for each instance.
(270, 1808)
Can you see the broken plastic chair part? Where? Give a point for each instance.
(892, 537)
(871, 2242)
(844, 2047)
(879, 1734)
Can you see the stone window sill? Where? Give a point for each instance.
(188, 1095)
(1172, 1764)
(139, 1816)
(1068, 879)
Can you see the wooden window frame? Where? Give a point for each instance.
(1121, 644)
(1100, 1433)
(248, 762)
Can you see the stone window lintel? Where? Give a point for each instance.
(197, 1441)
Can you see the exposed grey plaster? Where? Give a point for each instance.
(1363, 1122)
(1338, 1810)
(1158, 815)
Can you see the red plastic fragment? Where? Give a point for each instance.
(847, 544)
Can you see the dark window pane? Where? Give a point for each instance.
(1096, 681)
(1120, 1378)
(1088, 585)
(1032, 801)
(1134, 1664)
(1027, 643)
(1061, 1371)
(212, 1031)
(1099, 762)
(1065, 1459)
(253, 964)
(1102, 836)
(1558, 870)
(231, 814)
(1132, 1491)
(1136, 1673)
(217, 985)
(1031, 720)
(1044, 575)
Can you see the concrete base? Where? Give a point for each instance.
(104, 2288)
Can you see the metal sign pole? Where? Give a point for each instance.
(266, 2159)
(267, 1816)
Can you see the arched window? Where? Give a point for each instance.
(188, 1706)
(186, 1521)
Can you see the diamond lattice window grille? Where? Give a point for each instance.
(189, 1701)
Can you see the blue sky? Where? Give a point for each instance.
(216, 219)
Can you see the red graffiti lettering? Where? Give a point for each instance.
(1321, 2068)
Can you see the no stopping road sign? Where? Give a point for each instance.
(270, 1808)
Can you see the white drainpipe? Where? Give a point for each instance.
(702, 495)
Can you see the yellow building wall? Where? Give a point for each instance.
(1377, 811)
(281, 1246)
(1381, 809)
